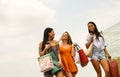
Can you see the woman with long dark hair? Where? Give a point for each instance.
(50, 45)
(99, 48)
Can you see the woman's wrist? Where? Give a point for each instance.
(109, 56)
(44, 51)
(90, 42)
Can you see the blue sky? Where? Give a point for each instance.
(22, 23)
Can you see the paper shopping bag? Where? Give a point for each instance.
(55, 62)
(46, 63)
(82, 56)
(89, 50)
(114, 72)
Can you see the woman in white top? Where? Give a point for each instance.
(99, 48)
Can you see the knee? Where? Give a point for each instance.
(99, 72)
(68, 75)
(107, 71)
(59, 74)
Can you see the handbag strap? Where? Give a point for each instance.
(77, 47)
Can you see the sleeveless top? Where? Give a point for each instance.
(53, 49)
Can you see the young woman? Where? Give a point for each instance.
(99, 48)
(67, 52)
(50, 45)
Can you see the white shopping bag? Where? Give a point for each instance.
(45, 63)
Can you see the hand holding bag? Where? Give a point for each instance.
(45, 62)
(83, 58)
(55, 62)
(89, 50)
(76, 57)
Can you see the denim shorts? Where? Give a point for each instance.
(97, 54)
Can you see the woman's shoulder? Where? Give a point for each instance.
(56, 42)
(88, 36)
(40, 43)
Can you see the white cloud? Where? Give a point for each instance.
(115, 1)
(52, 3)
(17, 56)
(104, 17)
(22, 15)
(16, 18)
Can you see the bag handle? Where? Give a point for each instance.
(77, 46)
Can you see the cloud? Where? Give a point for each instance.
(18, 16)
(52, 3)
(115, 1)
(10, 57)
(104, 17)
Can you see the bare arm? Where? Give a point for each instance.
(89, 42)
(59, 57)
(73, 50)
(42, 52)
(107, 53)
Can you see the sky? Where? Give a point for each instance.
(22, 23)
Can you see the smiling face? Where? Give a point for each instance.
(52, 34)
(65, 36)
(91, 27)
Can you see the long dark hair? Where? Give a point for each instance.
(45, 37)
(97, 33)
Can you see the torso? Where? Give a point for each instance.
(98, 48)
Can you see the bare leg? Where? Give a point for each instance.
(49, 76)
(73, 74)
(59, 74)
(105, 66)
(68, 74)
(97, 68)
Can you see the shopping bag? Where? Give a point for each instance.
(114, 69)
(82, 56)
(89, 50)
(55, 62)
(76, 57)
(45, 62)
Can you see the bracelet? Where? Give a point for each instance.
(109, 56)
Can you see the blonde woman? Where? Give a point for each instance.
(67, 53)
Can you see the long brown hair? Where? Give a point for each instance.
(69, 41)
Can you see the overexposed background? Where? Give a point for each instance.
(22, 23)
